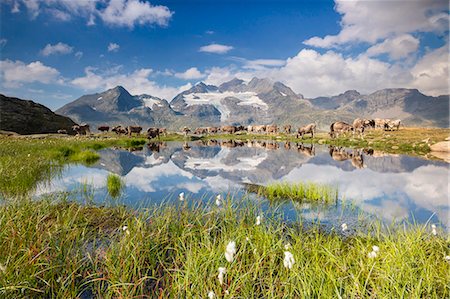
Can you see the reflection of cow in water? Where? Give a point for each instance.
(340, 154)
(306, 150)
(156, 146)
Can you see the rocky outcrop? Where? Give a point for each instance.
(28, 117)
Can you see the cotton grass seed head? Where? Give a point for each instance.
(288, 261)
(447, 258)
(211, 295)
(230, 251)
(218, 200)
(344, 227)
(222, 272)
(258, 220)
(372, 254)
(375, 248)
(181, 196)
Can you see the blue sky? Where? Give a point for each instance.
(53, 51)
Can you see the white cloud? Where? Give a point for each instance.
(370, 21)
(431, 72)
(136, 82)
(259, 64)
(127, 13)
(14, 73)
(216, 48)
(190, 74)
(131, 12)
(59, 48)
(398, 47)
(79, 54)
(113, 47)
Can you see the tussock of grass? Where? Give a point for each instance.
(307, 191)
(64, 250)
(114, 185)
(86, 157)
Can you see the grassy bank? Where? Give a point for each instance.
(58, 249)
(26, 161)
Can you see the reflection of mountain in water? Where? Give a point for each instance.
(119, 161)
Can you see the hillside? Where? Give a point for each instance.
(28, 117)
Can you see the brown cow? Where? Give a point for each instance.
(308, 129)
(162, 131)
(103, 128)
(134, 129)
(259, 129)
(200, 131)
(287, 129)
(249, 129)
(119, 130)
(81, 129)
(339, 127)
(229, 129)
(380, 123)
(185, 131)
(271, 129)
(212, 130)
(152, 133)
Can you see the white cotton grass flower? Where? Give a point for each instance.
(372, 254)
(433, 229)
(211, 295)
(226, 292)
(230, 251)
(125, 229)
(258, 220)
(288, 260)
(447, 258)
(247, 239)
(181, 196)
(218, 200)
(375, 248)
(287, 246)
(344, 227)
(222, 272)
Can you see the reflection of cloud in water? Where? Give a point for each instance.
(219, 183)
(190, 186)
(218, 162)
(73, 177)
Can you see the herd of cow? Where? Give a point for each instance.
(338, 128)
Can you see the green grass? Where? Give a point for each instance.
(301, 192)
(25, 161)
(114, 185)
(59, 249)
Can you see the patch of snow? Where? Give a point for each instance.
(149, 102)
(99, 98)
(94, 108)
(283, 94)
(215, 99)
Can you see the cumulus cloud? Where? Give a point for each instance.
(190, 74)
(79, 54)
(15, 73)
(216, 48)
(137, 82)
(370, 21)
(122, 13)
(59, 48)
(398, 47)
(113, 47)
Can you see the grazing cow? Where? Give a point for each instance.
(103, 128)
(240, 128)
(338, 128)
(62, 131)
(249, 129)
(119, 130)
(200, 131)
(81, 129)
(212, 130)
(392, 124)
(359, 125)
(259, 129)
(380, 123)
(311, 128)
(134, 129)
(152, 133)
(271, 129)
(229, 129)
(162, 131)
(287, 129)
(185, 131)
(306, 150)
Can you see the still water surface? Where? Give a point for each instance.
(389, 187)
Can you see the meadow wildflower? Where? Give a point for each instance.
(287, 246)
(344, 227)
(258, 220)
(226, 292)
(375, 248)
(372, 254)
(222, 272)
(247, 239)
(125, 229)
(218, 200)
(181, 196)
(211, 295)
(447, 258)
(288, 260)
(433, 231)
(230, 251)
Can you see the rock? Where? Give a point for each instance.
(443, 146)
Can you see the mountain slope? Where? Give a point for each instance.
(28, 117)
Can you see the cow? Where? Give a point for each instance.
(62, 131)
(240, 128)
(212, 130)
(311, 128)
(119, 130)
(338, 128)
(249, 129)
(81, 129)
(200, 131)
(380, 123)
(259, 129)
(185, 131)
(359, 125)
(271, 129)
(152, 133)
(103, 128)
(287, 129)
(162, 131)
(134, 129)
(229, 129)
(391, 124)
